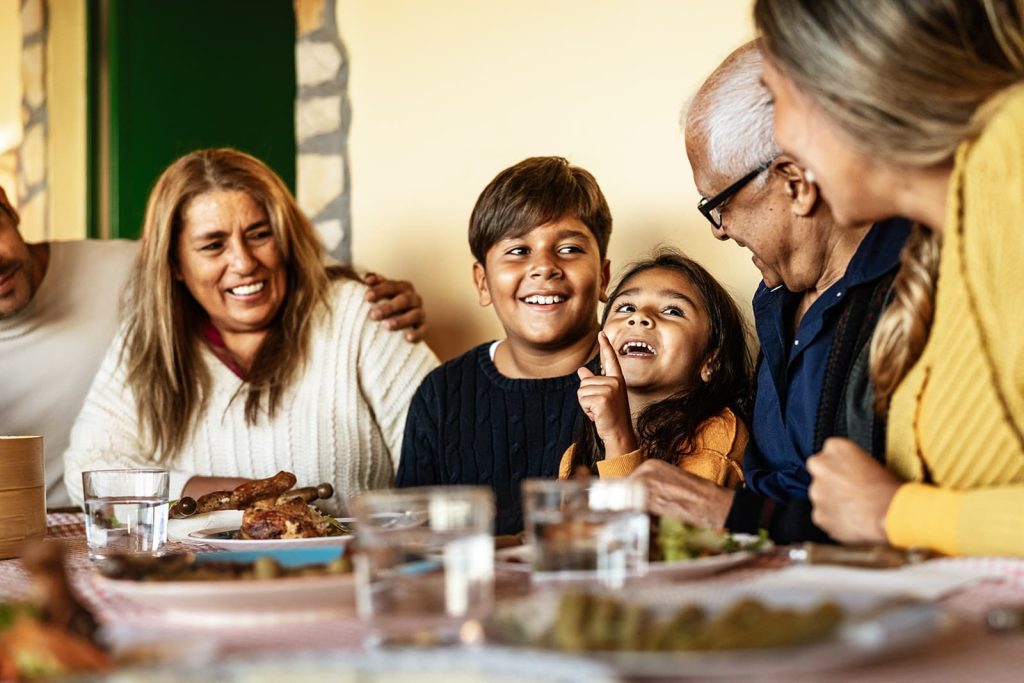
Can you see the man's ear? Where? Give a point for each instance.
(606, 278)
(480, 281)
(800, 189)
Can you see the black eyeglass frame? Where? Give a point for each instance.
(707, 206)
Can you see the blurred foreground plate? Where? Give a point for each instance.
(872, 629)
(480, 665)
(288, 599)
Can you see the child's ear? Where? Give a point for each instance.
(606, 278)
(480, 281)
(707, 370)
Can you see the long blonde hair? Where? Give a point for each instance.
(170, 382)
(905, 82)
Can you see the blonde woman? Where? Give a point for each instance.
(916, 108)
(241, 353)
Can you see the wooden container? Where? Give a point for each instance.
(22, 492)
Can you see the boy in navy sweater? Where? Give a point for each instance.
(506, 410)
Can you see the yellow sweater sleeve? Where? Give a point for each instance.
(966, 404)
(717, 457)
(977, 522)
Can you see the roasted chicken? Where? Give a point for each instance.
(271, 518)
(271, 508)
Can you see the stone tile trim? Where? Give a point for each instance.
(323, 113)
(32, 171)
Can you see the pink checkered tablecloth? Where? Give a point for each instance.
(968, 652)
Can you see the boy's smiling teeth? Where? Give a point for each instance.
(245, 290)
(637, 348)
(538, 299)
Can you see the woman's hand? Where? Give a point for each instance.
(604, 400)
(850, 492)
(397, 304)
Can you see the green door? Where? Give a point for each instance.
(170, 76)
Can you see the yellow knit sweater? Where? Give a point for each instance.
(717, 455)
(957, 418)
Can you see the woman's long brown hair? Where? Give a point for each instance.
(170, 382)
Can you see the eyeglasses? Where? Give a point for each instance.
(709, 207)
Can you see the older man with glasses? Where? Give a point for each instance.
(823, 288)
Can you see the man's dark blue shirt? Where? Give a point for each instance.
(792, 368)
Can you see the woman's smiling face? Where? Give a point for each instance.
(659, 328)
(229, 261)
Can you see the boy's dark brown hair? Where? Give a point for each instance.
(536, 191)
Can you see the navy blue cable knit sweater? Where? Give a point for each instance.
(469, 424)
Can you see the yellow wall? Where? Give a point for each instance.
(10, 93)
(446, 94)
(68, 118)
(66, 73)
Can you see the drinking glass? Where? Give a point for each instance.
(585, 530)
(125, 511)
(425, 576)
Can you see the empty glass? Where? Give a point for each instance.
(596, 527)
(425, 576)
(125, 511)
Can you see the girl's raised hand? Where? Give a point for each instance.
(604, 400)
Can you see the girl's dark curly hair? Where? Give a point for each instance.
(667, 430)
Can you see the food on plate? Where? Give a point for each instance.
(595, 622)
(272, 509)
(188, 567)
(53, 635)
(509, 540)
(292, 519)
(245, 494)
(673, 540)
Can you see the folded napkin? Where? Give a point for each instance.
(179, 529)
(930, 580)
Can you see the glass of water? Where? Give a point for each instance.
(425, 564)
(125, 511)
(587, 529)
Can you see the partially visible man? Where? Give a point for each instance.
(823, 287)
(58, 314)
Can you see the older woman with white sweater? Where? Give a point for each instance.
(242, 354)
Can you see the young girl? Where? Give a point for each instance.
(677, 376)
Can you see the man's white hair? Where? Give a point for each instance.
(731, 115)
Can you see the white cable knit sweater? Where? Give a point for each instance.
(342, 421)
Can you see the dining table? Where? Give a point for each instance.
(967, 650)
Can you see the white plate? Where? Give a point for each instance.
(220, 537)
(871, 631)
(301, 598)
(214, 529)
(520, 559)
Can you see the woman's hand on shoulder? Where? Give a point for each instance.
(604, 400)
(850, 492)
(397, 305)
